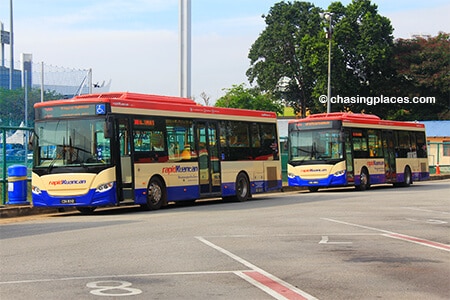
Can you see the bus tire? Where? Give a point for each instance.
(242, 187)
(313, 189)
(407, 177)
(156, 194)
(86, 210)
(364, 180)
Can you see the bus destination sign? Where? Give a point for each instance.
(318, 125)
(77, 110)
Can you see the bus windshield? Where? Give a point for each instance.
(71, 142)
(315, 145)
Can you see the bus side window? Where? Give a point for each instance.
(239, 141)
(375, 145)
(404, 144)
(180, 140)
(421, 145)
(359, 143)
(269, 140)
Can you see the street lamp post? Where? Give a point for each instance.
(328, 16)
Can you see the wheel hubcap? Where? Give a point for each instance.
(363, 178)
(242, 188)
(154, 193)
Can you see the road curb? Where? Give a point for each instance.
(12, 211)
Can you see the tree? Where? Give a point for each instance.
(293, 45)
(422, 69)
(206, 98)
(12, 105)
(240, 97)
(362, 53)
(282, 51)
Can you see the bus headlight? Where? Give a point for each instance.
(339, 173)
(35, 190)
(291, 175)
(104, 187)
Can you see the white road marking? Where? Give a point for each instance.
(111, 288)
(396, 235)
(325, 240)
(427, 210)
(291, 288)
(116, 276)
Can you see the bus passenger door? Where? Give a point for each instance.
(124, 164)
(208, 158)
(389, 155)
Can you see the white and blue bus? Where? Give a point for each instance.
(345, 149)
(127, 148)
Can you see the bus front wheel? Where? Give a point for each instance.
(313, 189)
(86, 210)
(156, 194)
(364, 180)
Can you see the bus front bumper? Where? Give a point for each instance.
(331, 180)
(92, 198)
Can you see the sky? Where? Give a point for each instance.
(135, 43)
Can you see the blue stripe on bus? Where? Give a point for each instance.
(256, 187)
(377, 178)
(176, 193)
(192, 192)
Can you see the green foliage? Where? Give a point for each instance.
(249, 98)
(294, 45)
(288, 48)
(12, 105)
(422, 69)
(361, 52)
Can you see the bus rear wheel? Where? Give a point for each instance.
(408, 177)
(156, 194)
(242, 188)
(364, 180)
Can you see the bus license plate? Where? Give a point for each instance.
(67, 201)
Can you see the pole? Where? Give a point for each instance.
(185, 48)
(42, 81)
(11, 46)
(90, 81)
(3, 45)
(329, 68)
(26, 99)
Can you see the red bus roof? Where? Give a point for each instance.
(349, 118)
(155, 102)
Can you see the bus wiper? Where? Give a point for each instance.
(315, 153)
(299, 149)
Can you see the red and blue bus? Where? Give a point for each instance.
(342, 149)
(127, 148)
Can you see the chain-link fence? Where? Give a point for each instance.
(61, 80)
(14, 151)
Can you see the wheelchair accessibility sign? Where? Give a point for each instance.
(100, 109)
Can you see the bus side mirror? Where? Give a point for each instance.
(31, 141)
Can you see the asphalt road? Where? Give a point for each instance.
(384, 243)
